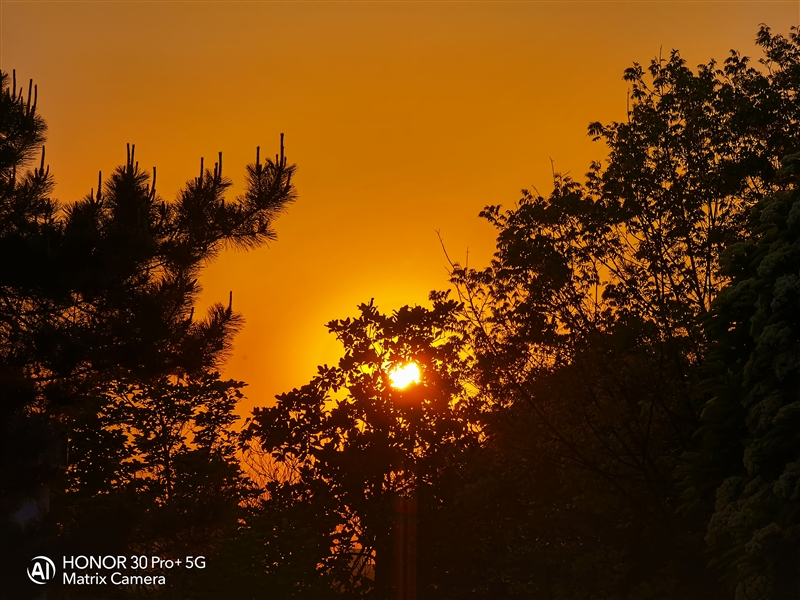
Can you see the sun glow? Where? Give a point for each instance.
(403, 376)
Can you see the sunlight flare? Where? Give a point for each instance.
(403, 376)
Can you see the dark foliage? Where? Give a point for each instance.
(587, 327)
(344, 451)
(748, 460)
(101, 357)
(585, 363)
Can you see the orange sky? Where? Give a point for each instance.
(403, 117)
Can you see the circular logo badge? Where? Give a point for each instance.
(42, 570)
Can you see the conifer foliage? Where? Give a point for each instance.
(98, 336)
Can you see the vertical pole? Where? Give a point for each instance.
(411, 546)
(404, 570)
(399, 547)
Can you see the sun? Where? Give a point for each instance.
(403, 376)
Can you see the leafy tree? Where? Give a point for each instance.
(696, 152)
(586, 325)
(749, 460)
(347, 447)
(98, 297)
(154, 469)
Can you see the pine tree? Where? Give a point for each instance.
(98, 295)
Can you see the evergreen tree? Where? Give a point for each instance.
(98, 303)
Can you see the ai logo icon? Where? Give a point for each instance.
(42, 570)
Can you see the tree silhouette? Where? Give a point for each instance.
(585, 356)
(586, 327)
(747, 464)
(154, 469)
(97, 298)
(349, 446)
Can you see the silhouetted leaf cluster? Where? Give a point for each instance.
(347, 446)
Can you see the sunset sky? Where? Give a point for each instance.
(404, 118)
